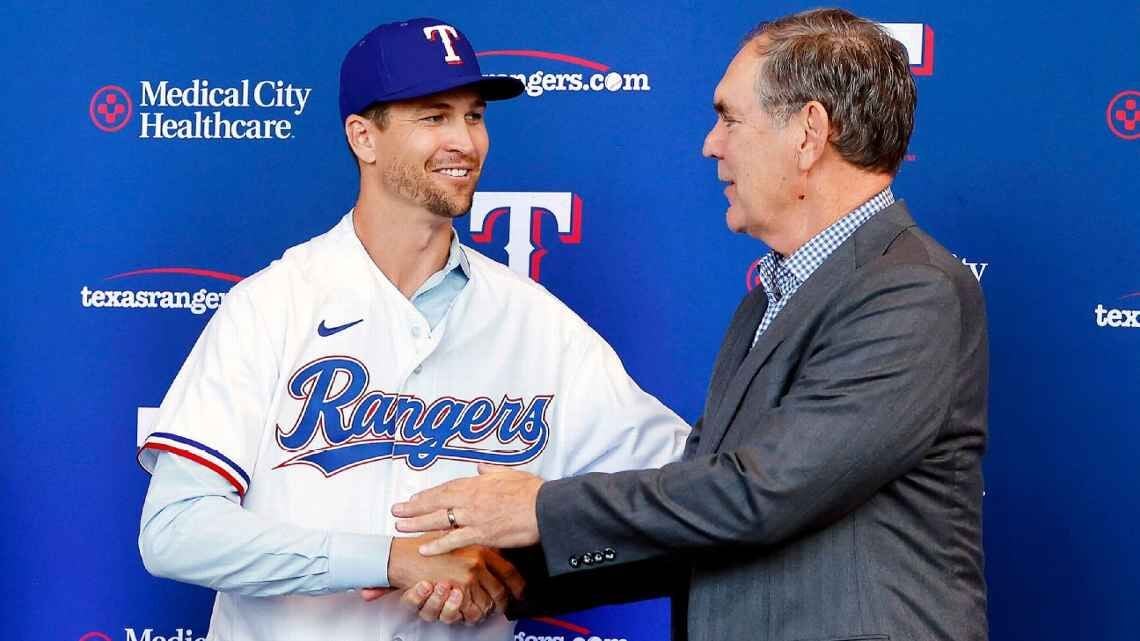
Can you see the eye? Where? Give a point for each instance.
(475, 117)
(432, 120)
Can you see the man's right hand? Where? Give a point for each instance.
(484, 580)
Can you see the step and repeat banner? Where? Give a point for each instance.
(158, 153)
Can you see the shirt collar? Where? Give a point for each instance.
(805, 260)
(456, 262)
(768, 269)
(456, 257)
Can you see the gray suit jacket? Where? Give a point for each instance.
(832, 488)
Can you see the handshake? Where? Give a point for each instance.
(453, 571)
(469, 584)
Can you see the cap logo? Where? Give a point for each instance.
(446, 34)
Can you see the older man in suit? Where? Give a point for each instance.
(832, 488)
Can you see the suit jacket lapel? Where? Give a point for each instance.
(869, 241)
(735, 347)
(801, 306)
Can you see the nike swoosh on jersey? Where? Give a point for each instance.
(325, 330)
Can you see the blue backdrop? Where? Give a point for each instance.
(1023, 163)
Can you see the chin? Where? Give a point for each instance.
(463, 205)
(733, 222)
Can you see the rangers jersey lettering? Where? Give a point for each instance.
(363, 426)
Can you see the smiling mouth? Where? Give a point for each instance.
(453, 172)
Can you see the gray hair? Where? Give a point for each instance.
(850, 65)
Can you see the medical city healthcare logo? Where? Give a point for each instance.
(197, 300)
(198, 109)
(1123, 115)
(110, 108)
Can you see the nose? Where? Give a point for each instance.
(712, 146)
(460, 139)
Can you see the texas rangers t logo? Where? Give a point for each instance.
(359, 426)
(446, 33)
(525, 212)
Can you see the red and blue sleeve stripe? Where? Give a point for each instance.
(199, 453)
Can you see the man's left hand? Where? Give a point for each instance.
(496, 509)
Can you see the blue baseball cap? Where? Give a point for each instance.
(413, 58)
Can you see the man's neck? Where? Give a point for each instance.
(406, 242)
(820, 209)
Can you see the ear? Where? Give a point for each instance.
(816, 126)
(361, 136)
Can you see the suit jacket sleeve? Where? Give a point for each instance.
(870, 396)
(693, 441)
(547, 595)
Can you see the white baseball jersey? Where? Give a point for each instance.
(322, 394)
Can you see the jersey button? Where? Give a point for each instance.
(415, 331)
(418, 369)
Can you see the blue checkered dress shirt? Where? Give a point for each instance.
(781, 277)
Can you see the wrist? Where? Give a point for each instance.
(400, 560)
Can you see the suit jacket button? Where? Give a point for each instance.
(598, 557)
(587, 559)
(575, 562)
(610, 554)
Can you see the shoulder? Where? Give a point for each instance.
(311, 264)
(288, 286)
(911, 273)
(914, 254)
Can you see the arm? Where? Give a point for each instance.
(605, 421)
(193, 527)
(867, 404)
(194, 530)
(552, 596)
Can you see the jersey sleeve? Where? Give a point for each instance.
(193, 530)
(607, 423)
(215, 411)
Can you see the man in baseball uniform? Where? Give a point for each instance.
(369, 363)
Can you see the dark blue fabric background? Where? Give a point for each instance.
(1014, 165)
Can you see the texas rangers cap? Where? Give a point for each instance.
(413, 58)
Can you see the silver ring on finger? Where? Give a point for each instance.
(451, 518)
